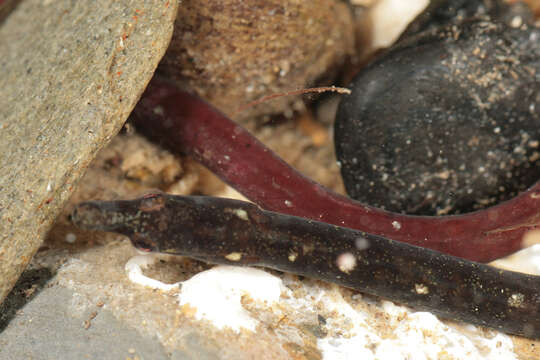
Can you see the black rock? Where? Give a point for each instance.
(446, 122)
(445, 12)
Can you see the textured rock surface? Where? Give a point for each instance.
(445, 123)
(71, 73)
(86, 332)
(235, 51)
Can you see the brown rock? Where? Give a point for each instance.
(234, 51)
(71, 74)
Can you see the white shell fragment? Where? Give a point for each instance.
(134, 268)
(217, 294)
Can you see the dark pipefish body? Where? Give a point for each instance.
(233, 232)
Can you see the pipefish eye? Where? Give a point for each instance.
(143, 243)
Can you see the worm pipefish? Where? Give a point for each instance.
(233, 232)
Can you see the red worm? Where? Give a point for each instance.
(186, 124)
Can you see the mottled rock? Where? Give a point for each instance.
(446, 122)
(235, 51)
(71, 74)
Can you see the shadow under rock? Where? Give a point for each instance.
(27, 287)
(6, 7)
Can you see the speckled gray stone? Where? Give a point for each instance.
(54, 325)
(71, 73)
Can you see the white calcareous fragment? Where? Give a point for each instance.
(234, 256)
(216, 295)
(292, 256)
(391, 17)
(134, 268)
(421, 289)
(526, 261)
(416, 335)
(516, 300)
(242, 214)
(346, 262)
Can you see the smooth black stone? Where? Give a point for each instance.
(445, 12)
(447, 122)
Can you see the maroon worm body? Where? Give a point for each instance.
(188, 125)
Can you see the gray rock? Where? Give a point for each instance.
(71, 73)
(59, 331)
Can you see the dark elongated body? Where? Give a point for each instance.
(234, 232)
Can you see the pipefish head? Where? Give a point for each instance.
(139, 219)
